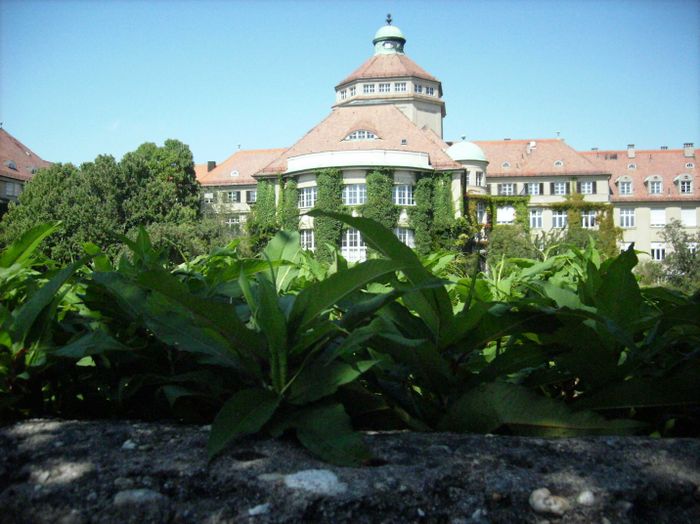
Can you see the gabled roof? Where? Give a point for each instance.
(388, 66)
(535, 157)
(246, 163)
(386, 121)
(666, 164)
(17, 161)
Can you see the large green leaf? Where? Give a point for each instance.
(244, 413)
(316, 380)
(272, 323)
(23, 248)
(92, 343)
(318, 297)
(619, 298)
(284, 246)
(490, 407)
(326, 432)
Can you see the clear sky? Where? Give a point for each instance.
(80, 78)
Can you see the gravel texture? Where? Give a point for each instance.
(78, 472)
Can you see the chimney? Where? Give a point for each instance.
(630, 150)
(688, 150)
(664, 148)
(211, 165)
(531, 145)
(594, 149)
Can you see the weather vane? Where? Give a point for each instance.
(388, 19)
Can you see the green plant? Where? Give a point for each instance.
(262, 220)
(288, 210)
(329, 198)
(380, 199)
(421, 215)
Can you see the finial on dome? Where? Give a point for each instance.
(388, 19)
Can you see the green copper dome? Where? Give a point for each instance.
(388, 39)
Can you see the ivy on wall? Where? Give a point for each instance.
(262, 221)
(380, 199)
(329, 183)
(421, 215)
(288, 210)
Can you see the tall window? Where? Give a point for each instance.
(686, 187)
(506, 189)
(251, 196)
(481, 212)
(505, 215)
(406, 236)
(233, 196)
(560, 188)
(400, 87)
(559, 218)
(430, 91)
(307, 240)
(352, 247)
(354, 194)
(479, 178)
(368, 89)
(343, 94)
(533, 188)
(384, 88)
(627, 217)
(418, 88)
(586, 188)
(307, 197)
(658, 218)
(625, 187)
(403, 195)
(588, 219)
(535, 218)
(353, 91)
(658, 251)
(655, 187)
(689, 217)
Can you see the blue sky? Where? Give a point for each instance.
(80, 78)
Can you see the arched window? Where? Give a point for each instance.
(361, 134)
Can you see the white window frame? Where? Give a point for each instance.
(479, 178)
(384, 87)
(587, 187)
(343, 94)
(430, 91)
(627, 217)
(352, 91)
(352, 247)
(233, 221)
(403, 195)
(625, 187)
(400, 87)
(655, 187)
(689, 217)
(657, 251)
(361, 134)
(406, 235)
(535, 218)
(685, 187)
(506, 189)
(307, 239)
(505, 215)
(208, 198)
(559, 188)
(233, 197)
(307, 197)
(588, 218)
(418, 88)
(533, 188)
(354, 194)
(657, 217)
(251, 196)
(560, 218)
(481, 216)
(367, 89)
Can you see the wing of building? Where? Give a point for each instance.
(388, 114)
(18, 164)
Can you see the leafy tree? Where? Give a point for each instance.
(262, 221)
(104, 199)
(289, 207)
(681, 267)
(510, 241)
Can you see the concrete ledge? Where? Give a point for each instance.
(76, 472)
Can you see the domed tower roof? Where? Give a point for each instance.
(388, 39)
(466, 151)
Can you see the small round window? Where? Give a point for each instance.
(559, 163)
(505, 164)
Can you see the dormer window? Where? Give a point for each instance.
(234, 173)
(11, 164)
(689, 165)
(654, 184)
(343, 94)
(624, 185)
(685, 184)
(631, 166)
(361, 134)
(505, 164)
(559, 163)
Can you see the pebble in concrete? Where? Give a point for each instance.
(260, 509)
(586, 498)
(138, 496)
(320, 481)
(129, 444)
(542, 501)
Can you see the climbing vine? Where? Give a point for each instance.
(262, 221)
(288, 211)
(380, 199)
(607, 235)
(329, 183)
(421, 215)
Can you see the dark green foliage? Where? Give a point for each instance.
(566, 346)
(509, 241)
(329, 198)
(443, 209)
(288, 210)
(380, 199)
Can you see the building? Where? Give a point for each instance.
(388, 115)
(18, 164)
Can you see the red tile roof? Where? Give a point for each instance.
(665, 163)
(539, 160)
(14, 152)
(388, 66)
(247, 163)
(386, 121)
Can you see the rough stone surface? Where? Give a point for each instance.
(79, 473)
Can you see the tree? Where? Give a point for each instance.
(104, 199)
(681, 267)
